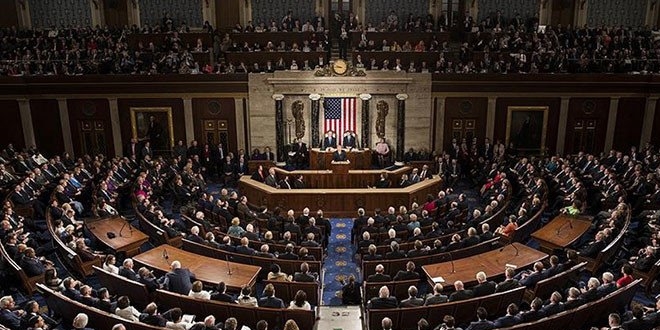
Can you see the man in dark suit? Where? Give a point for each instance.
(220, 295)
(304, 275)
(460, 293)
(383, 300)
(349, 140)
(437, 297)
(408, 274)
(510, 319)
(329, 141)
(179, 280)
(530, 280)
(395, 253)
(412, 300)
(379, 276)
(485, 287)
(339, 155)
(9, 316)
(268, 155)
(288, 253)
(594, 247)
(269, 299)
(300, 153)
(555, 306)
(126, 270)
(30, 264)
(244, 247)
(271, 179)
(482, 322)
(152, 317)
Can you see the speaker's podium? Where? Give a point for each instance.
(340, 173)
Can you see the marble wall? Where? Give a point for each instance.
(381, 85)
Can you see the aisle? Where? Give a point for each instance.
(339, 263)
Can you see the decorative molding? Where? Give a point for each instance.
(365, 97)
(278, 97)
(401, 97)
(314, 97)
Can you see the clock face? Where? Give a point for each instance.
(340, 67)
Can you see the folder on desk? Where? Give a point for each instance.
(438, 279)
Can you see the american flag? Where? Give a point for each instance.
(340, 115)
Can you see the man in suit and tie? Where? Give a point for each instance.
(383, 300)
(269, 299)
(304, 275)
(329, 141)
(179, 280)
(300, 153)
(379, 276)
(436, 297)
(425, 173)
(10, 316)
(132, 149)
(482, 322)
(146, 151)
(271, 179)
(412, 300)
(339, 155)
(126, 270)
(487, 150)
(594, 247)
(408, 274)
(509, 283)
(268, 155)
(349, 140)
(485, 287)
(460, 293)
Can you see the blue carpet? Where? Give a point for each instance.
(339, 264)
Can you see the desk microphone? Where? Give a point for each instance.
(228, 265)
(514, 246)
(561, 228)
(451, 260)
(165, 255)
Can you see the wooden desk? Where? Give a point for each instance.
(561, 232)
(339, 177)
(321, 159)
(337, 202)
(127, 240)
(492, 263)
(208, 270)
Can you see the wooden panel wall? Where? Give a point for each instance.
(587, 108)
(12, 133)
(177, 115)
(465, 108)
(204, 108)
(655, 136)
(501, 114)
(629, 119)
(116, 12)
(9, 15)
(97, 110)
(227, 13)
(47, 126)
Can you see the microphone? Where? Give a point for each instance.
(228, 265)
(165, 255)
(514, 246)
(451, 260)
(570, 223)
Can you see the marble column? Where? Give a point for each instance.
(316, 106)
(440, 123)
(279, 126)
(366, 133)
(240, 124)
(647, 124)
(66, 125)
(96, 8)
(23, 14)
(26, 122)
(490, 118)
(400, 125)
(545, 12)
(188, 120)
(116, 128)
(611, 123)
(563, 122)
(134, 12)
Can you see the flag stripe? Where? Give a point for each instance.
(340, 115)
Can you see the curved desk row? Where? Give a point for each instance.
(337, 202)
(340, 176)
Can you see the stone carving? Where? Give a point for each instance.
(297, 109)
(382, 109)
